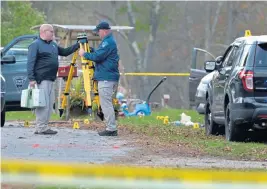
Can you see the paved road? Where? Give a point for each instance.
(19, 142)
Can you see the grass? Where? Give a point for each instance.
(25, 116)
(29, 116)
(193, 139)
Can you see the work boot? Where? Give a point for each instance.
(108, 133)
(47, 132)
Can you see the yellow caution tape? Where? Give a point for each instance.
(123, 172)
(155, 74)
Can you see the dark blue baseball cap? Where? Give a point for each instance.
(102, 26)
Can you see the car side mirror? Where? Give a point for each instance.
(8, 59)
(210, 66)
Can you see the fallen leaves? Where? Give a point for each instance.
(227, 149)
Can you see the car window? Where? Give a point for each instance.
(20, 50)
(237, 55)
(232, 56)
(228, 50)
(261, 55)
(227, 56)
(246, 53)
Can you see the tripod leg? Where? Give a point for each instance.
(90, 86)
(87, 79)
(67, 87)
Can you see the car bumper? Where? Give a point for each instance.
(249, 113)
(200, 107)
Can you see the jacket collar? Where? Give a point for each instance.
(48, 42)
(107, 36)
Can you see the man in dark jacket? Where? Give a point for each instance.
(107, 74)
(42, 70)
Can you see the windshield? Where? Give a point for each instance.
(261, 55)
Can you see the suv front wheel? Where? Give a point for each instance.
(232, 132)
(211, 127)
(3, 117)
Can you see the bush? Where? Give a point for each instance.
(77, 94)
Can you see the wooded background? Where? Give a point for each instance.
(165, 33)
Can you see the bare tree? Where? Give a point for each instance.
(210, 26)
(229, 35)
(142, 59)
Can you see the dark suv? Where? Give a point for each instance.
(237, 93)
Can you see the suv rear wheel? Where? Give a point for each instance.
(211, 127)
(232, 132)
(3, 117)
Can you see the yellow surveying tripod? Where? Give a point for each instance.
(90, 85)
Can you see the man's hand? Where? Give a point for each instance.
(81, 52)
(32, 83)
(91, 49)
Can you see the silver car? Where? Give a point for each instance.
(201, 92)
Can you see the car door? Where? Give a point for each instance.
(194, 80)
(218, 82)
(224, 74)
(16, 74)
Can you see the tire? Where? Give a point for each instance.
(232, 132)
(3, 117)
(211, 128)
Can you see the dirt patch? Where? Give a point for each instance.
(146, 145)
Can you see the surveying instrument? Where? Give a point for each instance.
(92, 100)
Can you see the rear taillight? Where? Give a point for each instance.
(247, 79)
(262, 116)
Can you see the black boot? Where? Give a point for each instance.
(47, 132)
(108, 133)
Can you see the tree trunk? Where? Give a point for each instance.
(230, 22)
(153, 27)
(207, 29)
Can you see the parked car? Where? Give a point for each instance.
(3, 91)
(201, 93)
(15, 74)
(194, 80)
(237, 93)
(9, 59)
